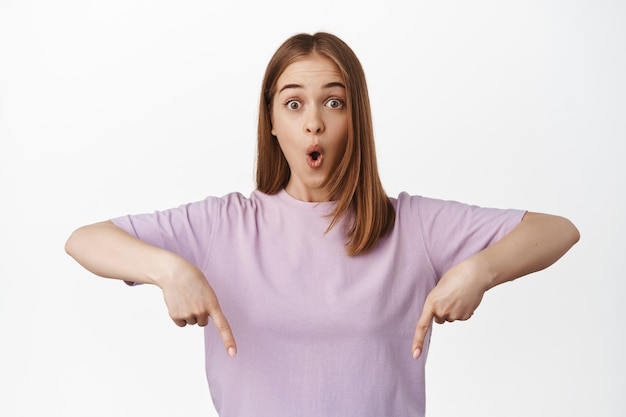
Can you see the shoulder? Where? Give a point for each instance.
(417, 204)
(232, 200)
(428, 209)
(236, 202)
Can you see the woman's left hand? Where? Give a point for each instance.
(535, 243)
(455, 297)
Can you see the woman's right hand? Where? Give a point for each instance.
(191, 300)
(108, 251)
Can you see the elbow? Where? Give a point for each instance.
(71, 243)
(568, 232)
(77, 240)
(573, 233)
(560, 230)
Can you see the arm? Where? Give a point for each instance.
(108, 251)
(536, 243)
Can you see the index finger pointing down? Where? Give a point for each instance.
(225, 332)
(421, 330)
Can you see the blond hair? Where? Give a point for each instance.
(355, 184)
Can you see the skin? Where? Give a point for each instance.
(535, 243)
(309, 110)
(110, 252)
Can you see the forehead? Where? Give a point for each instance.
(310, 68)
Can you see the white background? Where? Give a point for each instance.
(116, 107)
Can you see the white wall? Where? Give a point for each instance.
(116, 107)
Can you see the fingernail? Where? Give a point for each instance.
(416, 353)
(232, 352)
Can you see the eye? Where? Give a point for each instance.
(293, 104)
(335, 103)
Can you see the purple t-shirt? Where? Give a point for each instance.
(319, 333)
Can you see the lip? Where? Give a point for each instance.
(315, 156)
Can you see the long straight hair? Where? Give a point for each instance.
(355, 184)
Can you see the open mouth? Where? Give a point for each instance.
(315, 156)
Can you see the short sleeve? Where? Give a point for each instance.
(453, 231)
(185, 230)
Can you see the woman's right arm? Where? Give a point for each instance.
(110, 252)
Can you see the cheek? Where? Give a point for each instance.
(280, 124)
(341, 129)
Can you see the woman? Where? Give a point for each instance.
(322, 276)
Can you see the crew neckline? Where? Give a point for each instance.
(325, 206)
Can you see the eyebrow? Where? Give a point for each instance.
(329, 85)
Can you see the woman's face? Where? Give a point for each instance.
(310, 121)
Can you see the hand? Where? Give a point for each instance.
(455, 297)
(191, 300)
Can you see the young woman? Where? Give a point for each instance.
(321, 275)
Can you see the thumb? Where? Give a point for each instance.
(421, 330)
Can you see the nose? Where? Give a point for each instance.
(313, 123)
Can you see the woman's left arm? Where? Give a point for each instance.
(535, 243)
